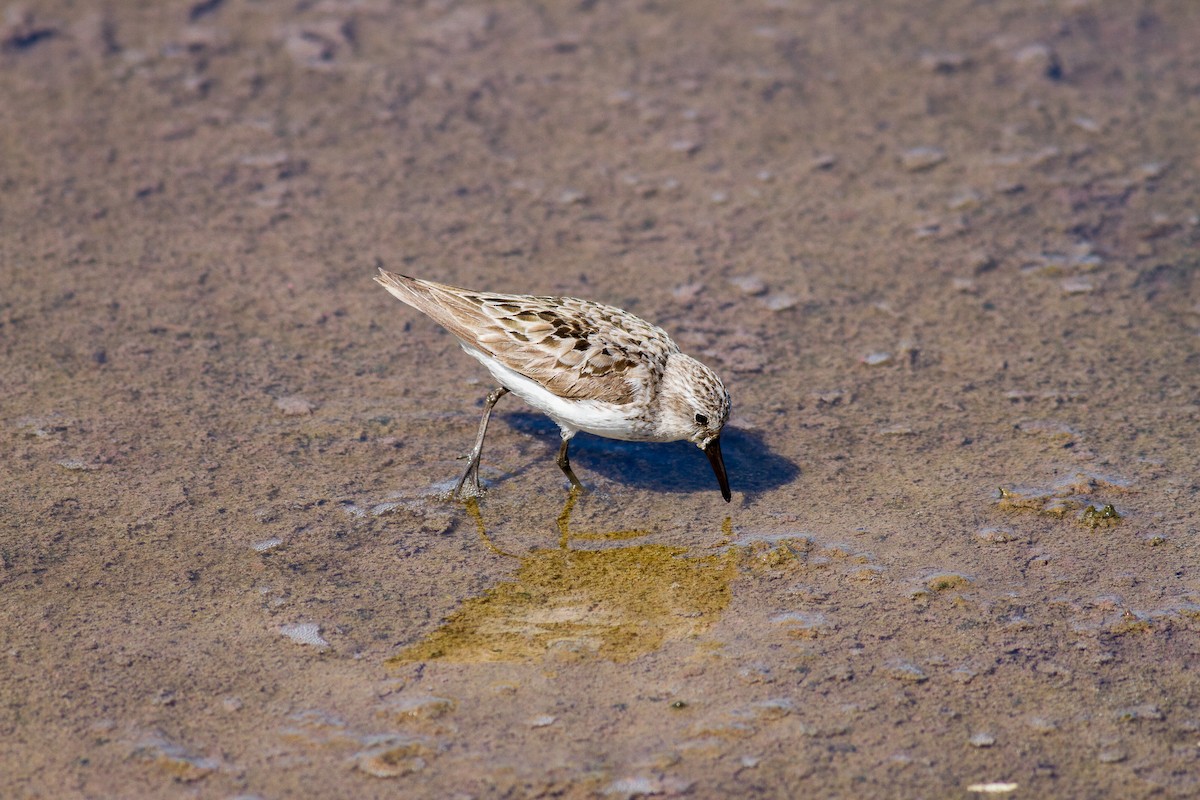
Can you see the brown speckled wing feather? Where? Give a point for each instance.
(575, 348)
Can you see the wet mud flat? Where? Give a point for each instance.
(942, 254)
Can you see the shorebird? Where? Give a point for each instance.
(588, 366)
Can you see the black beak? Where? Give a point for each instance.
(713, 451)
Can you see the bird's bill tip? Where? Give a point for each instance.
(713, 451)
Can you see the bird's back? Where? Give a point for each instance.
(574, 348)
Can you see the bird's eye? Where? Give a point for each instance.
(701, 419)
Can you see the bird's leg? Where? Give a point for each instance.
(564, 463)
(472, 472)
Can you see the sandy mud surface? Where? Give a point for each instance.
(943, 253)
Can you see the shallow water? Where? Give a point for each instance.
(943, 255)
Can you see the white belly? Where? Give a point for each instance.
(572, 416)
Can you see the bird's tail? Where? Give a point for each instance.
(443, 304)
(401, 287)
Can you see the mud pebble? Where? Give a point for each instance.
(571, 197)
(723, 726)
(307, 633)
(687, 291)
(461, 29)
(266, 514)
(273, 159)
(41, 426)
(1054, 669)
(1043, 155)
(995, 535)
(315, 728)
(232, 704)
(963, 674)
(354, 510)
(992, 787)
(824, 161)
(919, 159)
(945, 61)
(174, 759)
(898, 429)
(780, 301)
(980, 261)
(685, 146)
(20, 29)
(769, 710)
(1079, 257)
(906, 672)
(293, 406)
(946, 581)
(1077, 286)
(743, 721)
(843, 673)
(920, 593)
(267, 544)
(821, 732)
(1036, 55)
(639, 786)
(1142, 712)
(659, 760)
(868, 574)
(621, 97)
(77, 465)
(964, 201)
(1159, 225)
(748, 284)
(396, 757)
(982, 740)
(542, 721)
(1039, 560)
(1052, 430)
(417, 707)
(928, 230)
(1152, 169)
(877, 359)
(309, 48)
(1111, 755)
(1041, 725)
(832, 397)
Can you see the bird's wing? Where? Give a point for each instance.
(575, 348)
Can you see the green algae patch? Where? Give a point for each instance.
(615, 604)
(1093, 517)
(1067, 496)
(946, 582)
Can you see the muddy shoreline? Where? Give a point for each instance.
(943, 255)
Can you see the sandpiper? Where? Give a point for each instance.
(588, 366)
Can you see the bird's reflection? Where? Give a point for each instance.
(614, 602)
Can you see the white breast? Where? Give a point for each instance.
(572, 416)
